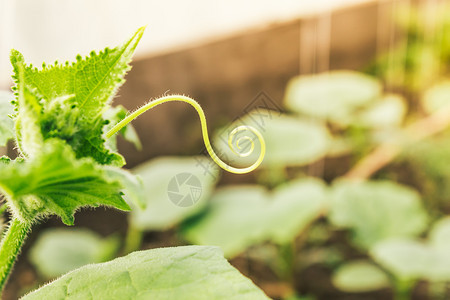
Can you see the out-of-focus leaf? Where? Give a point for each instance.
(164, 203)
(289, 141)
(332, 96)
(406, 259)
(360, 276)
(412, 259)
(387, 112)
(58, 251)
(377, 210)
(191, 272)
(241, 216)
(440, 234)
(233, 221)
(340, 146)
(437, 97)
(293, 207)
(439, 243)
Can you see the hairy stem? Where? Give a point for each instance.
(10, 247)
(3, 208)
(209, 148)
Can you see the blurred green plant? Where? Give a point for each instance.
(333, 96)
(422, 54)
(58, 251)
(275, 222)
(360, 276)
(375, 211)
(409, 260)
(160, 213)
(241, 216)
(369, 233)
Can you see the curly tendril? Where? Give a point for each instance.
(238, 141)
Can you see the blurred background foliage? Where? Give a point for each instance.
(352, 199)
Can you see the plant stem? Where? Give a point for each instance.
(403, 289)
(10, 248)
(287, 253)
(133, 240)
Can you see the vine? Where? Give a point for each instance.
(206, 140)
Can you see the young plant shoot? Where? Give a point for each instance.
(65, 157)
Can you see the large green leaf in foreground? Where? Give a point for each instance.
(192, 272)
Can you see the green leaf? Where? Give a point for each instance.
(439, 243)
(28, 132)
(73, 97)
(191, 272)
(133, 185)
(377, 210)
(388, 112)
(242, 216)
(54, 182)
(440, 234)
(93, 80)
(6, 122)
(58, 251)
(406, 259)
(294, 206)
(161, 212)
(333, 96)
(235, 220)
(289, 141)
(437, 97)
(411, 259)
(360, 276)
